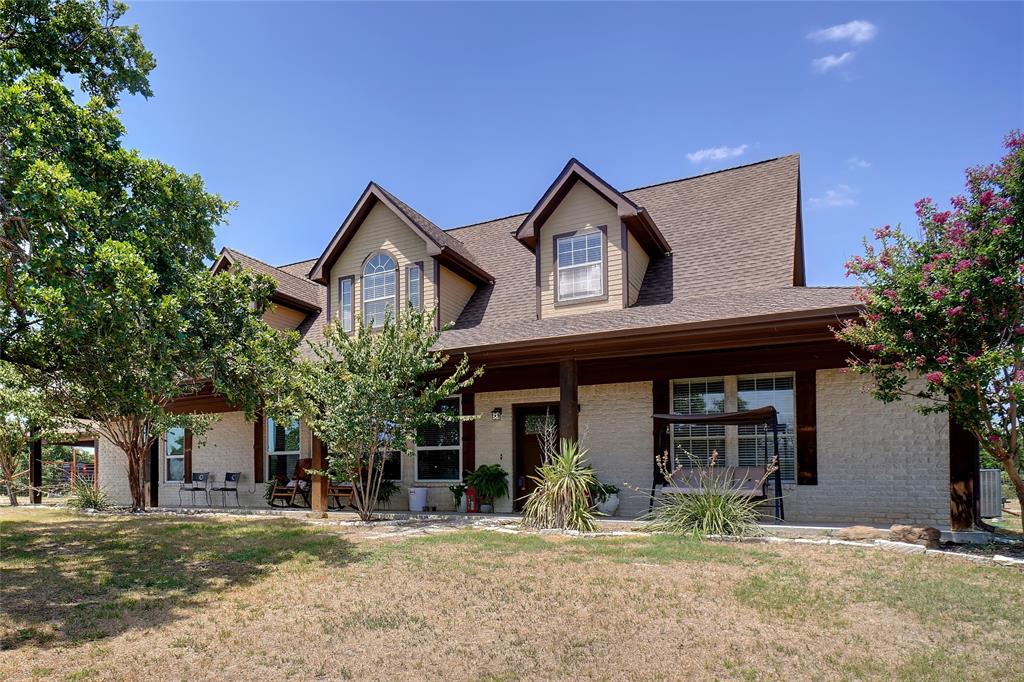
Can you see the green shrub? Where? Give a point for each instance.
(561, 498)
(489, 481)
(84, 495)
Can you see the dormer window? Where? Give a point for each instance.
(379, 288)
(581, 266)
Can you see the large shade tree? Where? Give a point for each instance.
(367, 394)
(947, 305)
(107, 301)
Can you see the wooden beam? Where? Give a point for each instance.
(35, 467)
(318, 492)
(661, 400)
(963, 471)
(568, 399)
(469, 432)
(188, 455)
(258, 429)
(806, 428)
(154, 474)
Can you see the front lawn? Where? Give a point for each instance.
(260, 598)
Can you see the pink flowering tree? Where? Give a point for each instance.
(948, 304)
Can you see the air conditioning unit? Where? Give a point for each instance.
(991, 494)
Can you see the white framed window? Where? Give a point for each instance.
(439, 447)
(755, 441)
(580, 260)
(692, 444)
(283, 448)
(380, 275)
(174, 455)
(414, 285)
(345, 303)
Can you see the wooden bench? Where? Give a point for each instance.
(748, 481)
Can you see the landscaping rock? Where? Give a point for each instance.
(862, 533)
(916, 535)
(901, 547)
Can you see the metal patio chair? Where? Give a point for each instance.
(230, 485)
(200, 483)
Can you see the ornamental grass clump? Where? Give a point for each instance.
(561, 499)
(716, 506)
(85, 495)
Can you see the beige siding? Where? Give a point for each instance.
(283, 317)
(581, 208)
(382, 230)
(455, 294)
(638, 260)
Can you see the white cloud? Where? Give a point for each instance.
(857, 162)
(716, 153)
(831, 61)
(856, 32)
(837, 197)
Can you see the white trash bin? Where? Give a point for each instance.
(417, 499)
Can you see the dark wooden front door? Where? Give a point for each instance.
(530, 421)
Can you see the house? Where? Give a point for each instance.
(599, 308)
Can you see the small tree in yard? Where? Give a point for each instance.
(366, 394)
(948, 305)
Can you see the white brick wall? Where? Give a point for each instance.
(877, 463)
(615, 426)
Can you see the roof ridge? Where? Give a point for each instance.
(275, 267)
(285, 265)
(636, 189)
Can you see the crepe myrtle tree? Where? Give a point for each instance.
(948, 305)
(150, 347)
(365, 395)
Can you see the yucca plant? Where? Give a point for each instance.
(561, 498)
(84, 495)
(717, 507)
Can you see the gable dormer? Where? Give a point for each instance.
(386, 254)
(592, 245)
(294, 298)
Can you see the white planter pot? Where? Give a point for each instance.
(609, 506)
(462, 505)
(417, 499)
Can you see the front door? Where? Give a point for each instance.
(531, 422)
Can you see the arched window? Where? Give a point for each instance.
(379, 288)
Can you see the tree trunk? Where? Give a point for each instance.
(11, 494)
(135, 463)
(1018, 484)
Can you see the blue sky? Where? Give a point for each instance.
(467, 111)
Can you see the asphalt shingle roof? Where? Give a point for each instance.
(734, 245)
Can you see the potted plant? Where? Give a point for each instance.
(458, 492)
(490, 482)
(605, 497)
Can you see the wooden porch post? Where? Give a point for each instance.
(35, 467)
(963, 470)
(318, 499)
(568, 399)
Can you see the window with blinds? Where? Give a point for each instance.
(755, 442)
(692, 444)
(439, 446)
